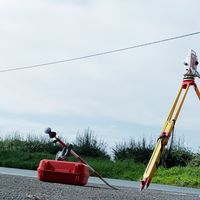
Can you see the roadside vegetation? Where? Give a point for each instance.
(180, 166)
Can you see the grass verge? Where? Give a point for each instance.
(127, 169)
(179, 176)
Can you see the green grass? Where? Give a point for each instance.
(24, 160)
(181, 176)
(121, 169)
(127, 169)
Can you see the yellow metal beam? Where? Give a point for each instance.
(172, 109)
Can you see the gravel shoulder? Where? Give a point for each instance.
(28, 188)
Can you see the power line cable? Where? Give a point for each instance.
(99, 54)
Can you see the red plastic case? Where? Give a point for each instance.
(63, 172)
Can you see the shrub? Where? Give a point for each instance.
(195, 161)
(32, 143)
(88, 145)
(179, 156)
(138, 151)
(141, 152)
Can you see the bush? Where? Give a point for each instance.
(177, 156)
(88, 145)
(30, 144)
(141, 152)
(137, 151)
(195, 161)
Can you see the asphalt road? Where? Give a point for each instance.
(24, 185)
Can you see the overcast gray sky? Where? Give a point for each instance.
(120, 96)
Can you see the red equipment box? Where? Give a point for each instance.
(63, 172)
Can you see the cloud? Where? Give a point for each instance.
(134, 87)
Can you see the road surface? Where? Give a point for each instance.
(23, 185)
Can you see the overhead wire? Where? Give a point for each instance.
(98, 54)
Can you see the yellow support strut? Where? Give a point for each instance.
(166, 132)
